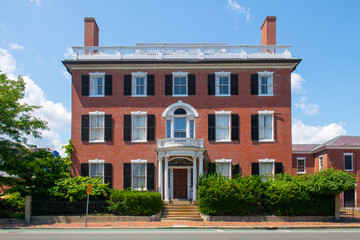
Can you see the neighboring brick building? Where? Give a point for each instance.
(156, 116)
(341, 152)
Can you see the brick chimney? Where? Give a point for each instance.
(91, 32)
(268, 31)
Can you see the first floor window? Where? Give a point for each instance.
(222, 127)
(223, 168)
(301, 165)
(180, 85)
(223, 84)
(139, 175)
(97, 85)
(139, 128)
(266, 170)
(348, 161)
(96, 127)
(266, 127)
(97, 170)
(266, 84)
(321, 163)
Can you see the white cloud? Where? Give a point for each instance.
(7, 61)
(37, 2)
(233, 5)
(68, 53)
(306, 134)
(16, 46)
(296, 83)
(57, 116)
(308, 108)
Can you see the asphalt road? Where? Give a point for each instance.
(197, 234)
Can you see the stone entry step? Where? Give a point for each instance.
(183, 210)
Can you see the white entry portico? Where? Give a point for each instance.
(180, 155)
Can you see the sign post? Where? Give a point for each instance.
(88, 191)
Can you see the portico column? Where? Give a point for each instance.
(160, 175)
(201, 164)
(166, 179)
(194, 180)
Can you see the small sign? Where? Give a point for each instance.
(88, 189)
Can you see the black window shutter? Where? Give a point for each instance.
(127, 175)
(191, 84)
(211, 167)
(108, 85)
(254, 84)
(234, 84)
(255, 127)
(254, 168)
(84, 127)
(127, 85)
(235, 127)
(150, 176)
(278, 167)
(211, 127)
(211, 84)
(108, 178)
(168, 84)
(127, 127)
(150, 85)
(85, 85)
(108, 127)
(85, 169)
(150, 127)
(235, 170)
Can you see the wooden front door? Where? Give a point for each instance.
(180, 183)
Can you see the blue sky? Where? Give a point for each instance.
(35, 35)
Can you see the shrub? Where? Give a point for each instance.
(135, 203)
(288, 195)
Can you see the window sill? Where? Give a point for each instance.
(223, 141)
(228, 95)
(301, 172)
(266, 95)
(138, 141)
(180, 95)
(138, 95)
(96, 95)
(349, 170)
(140, 189)
(97, 141)
(267, 141)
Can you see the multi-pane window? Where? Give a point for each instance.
(266, 84)
(223, 84)
(96, 127)
(97, 170)
(222, 127)
(180, 85)
(139, 85)
(223, 169)
(97, 85)
(348, 161)
(321, 163)
(266, 127)
(139, 175)
(266, 170)
(180, 127)
(138, 128)
(300, 165)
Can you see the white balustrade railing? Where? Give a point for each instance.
(180, 142)
(165, 52)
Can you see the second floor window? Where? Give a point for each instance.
(266, 127)
(180, 85)
(348, 161)
(180, 127)
(97, 85)
(222, 127)
(97, 127)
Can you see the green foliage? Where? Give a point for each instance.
(74, 189)
(12, 206)
(135, 203)
(286, 195)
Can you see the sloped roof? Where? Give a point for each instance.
(304, 148)
(338, 142)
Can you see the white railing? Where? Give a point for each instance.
(171, 52)
(180, 142)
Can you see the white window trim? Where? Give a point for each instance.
(322, 157)
(223, 113)
(352, 161)
(267, 160)
(297, 165)
(96, 114)
(223, 160)
(266, 112)
(218, 74)
(139, 161)
(138, 113)
(133, 86)
(173, 85)
(97, 74)
(97, 161)
(267, 74)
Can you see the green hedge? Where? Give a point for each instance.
(286, 195)
(135, 203)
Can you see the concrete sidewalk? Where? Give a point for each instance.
(189, 224)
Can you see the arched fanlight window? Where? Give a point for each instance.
(180, 111)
